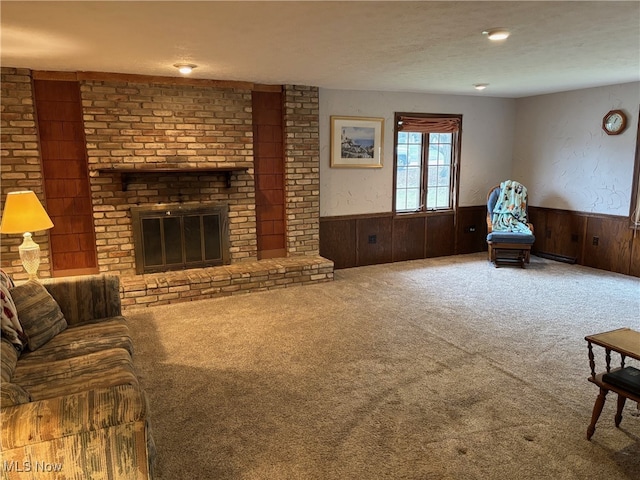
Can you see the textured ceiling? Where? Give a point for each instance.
(434, 47)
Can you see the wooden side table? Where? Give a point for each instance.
(625, 342)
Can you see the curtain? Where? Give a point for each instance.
(429, 125)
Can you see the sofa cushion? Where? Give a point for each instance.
(9, 359)
(511, 237)
(39, 314)
(78, 340)
(48, 379)
(11, 328)
(13, 394)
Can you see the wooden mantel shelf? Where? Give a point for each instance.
(126, 172)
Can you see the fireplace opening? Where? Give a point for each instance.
(180, 236)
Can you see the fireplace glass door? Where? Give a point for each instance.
(170, 238)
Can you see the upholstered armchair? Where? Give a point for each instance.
(510, 236)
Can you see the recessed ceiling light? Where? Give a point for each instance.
(185, 68)
(497, 33)
(480, 86)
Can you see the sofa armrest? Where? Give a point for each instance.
(54, 418)
(82, 435)
(86, 298)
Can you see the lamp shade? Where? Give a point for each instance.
(23, 212)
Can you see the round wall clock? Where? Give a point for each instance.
(614, 122)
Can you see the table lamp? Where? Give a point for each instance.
(23, 213)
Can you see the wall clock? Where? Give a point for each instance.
(614, 122)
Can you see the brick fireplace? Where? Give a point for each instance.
(163, 141)
(138, 129)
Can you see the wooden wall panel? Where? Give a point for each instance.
(634, 264)
(572, 235)
(382, 238)
(558, 232)
(338, 241)
(66, 177)
(374, 240)
(538, 219)
(269, 174)
(608, 244)
(564, 234)
(440, 235)
(471, 229)
(409, 235)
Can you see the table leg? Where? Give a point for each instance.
(597, 410)
(618, 416)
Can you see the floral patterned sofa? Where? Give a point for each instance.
(71, 403)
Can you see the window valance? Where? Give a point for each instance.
(429, 125)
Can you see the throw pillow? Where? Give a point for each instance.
(9, 323)
(39, 313)
(13, 394)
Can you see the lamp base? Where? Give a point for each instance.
(30, 256)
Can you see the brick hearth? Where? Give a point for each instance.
(185, 285)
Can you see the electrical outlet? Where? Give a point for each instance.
(470, 229)
(373, 239)
(595, 241)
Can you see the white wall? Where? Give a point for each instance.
(487, 146)
(564, 157)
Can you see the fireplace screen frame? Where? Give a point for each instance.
(179, 211)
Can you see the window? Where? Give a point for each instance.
(426, 159)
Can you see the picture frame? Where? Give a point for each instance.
(356, 142)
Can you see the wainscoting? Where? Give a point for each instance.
(356, 240)
(599, 241)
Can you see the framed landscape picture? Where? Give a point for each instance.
(356, 142)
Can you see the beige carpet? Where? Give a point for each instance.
(444, 368)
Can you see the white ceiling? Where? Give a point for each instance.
(434, 47)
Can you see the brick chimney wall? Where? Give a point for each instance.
(146, 124)
(20, 159)
(302, 168)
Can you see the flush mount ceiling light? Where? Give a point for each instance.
(480, 86)
(497, 33)
(185, 68)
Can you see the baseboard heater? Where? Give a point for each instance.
(557, 258)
